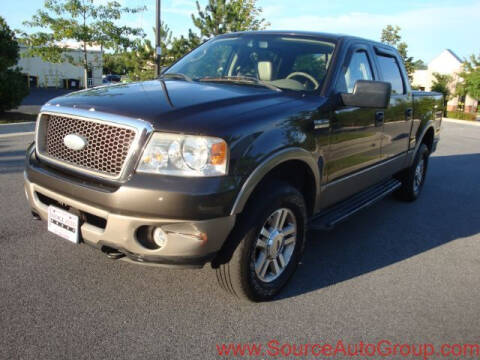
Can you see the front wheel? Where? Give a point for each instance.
(270, 240)
(413, 178)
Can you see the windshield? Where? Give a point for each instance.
(283, 62)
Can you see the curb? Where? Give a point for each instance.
(464, 122)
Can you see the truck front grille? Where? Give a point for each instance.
(107, 146)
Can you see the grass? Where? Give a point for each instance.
(460, 115)
(9, 117)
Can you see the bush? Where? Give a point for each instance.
(13, 88)
(462, 115)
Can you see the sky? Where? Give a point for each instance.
(427, 26)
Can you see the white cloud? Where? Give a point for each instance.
(272, 10)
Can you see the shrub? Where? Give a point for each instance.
(13, 88)
(461, 115)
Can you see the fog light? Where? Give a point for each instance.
(159, 237)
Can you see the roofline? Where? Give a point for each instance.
(66, 48)
(322, 35)
(454, 55)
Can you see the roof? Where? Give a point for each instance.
(73, 46)
(322, 35)
(454, 55)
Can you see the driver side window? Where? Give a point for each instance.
(358, 69)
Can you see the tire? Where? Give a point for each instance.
(255, 238)
(413, 178)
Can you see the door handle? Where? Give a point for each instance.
(409, 114)
(379, 118)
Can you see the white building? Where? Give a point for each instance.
(447, 63)
(62, 75)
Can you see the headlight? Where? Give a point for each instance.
(184, 155)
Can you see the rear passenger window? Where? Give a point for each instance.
(391, 73)
(358, 69)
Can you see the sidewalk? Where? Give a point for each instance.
(463, 122)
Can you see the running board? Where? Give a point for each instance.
(330, 217)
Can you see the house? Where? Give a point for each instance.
(447, 63)
(41, 73)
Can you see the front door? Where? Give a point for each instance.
(356, 135)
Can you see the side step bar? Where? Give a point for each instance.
(330, 217)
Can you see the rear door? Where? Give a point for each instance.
(398, 116)
(355, 136)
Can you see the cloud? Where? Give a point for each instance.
(423, 28)
(272, 10)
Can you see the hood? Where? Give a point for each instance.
(175, 105)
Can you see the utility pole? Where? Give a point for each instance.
(158, 39)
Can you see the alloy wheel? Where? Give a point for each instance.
(275, 245)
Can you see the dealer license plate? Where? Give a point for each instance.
(63, 224)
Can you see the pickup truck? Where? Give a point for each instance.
(232, 153)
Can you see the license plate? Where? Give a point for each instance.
(63, 224)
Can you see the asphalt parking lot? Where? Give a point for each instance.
(407, 273)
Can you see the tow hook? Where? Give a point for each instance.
(112, 253)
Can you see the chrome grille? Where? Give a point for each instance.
(107, 144)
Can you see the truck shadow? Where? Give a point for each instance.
(392, 231)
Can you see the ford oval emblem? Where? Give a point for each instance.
(75, 142)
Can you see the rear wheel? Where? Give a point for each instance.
(413, 178)
(269, 238)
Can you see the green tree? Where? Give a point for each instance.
(116, 63)
(138, 61)
(141, 61)
(420, 65)
(82, 21)
(182, 45)
(223, 16)
(391, 36)
(13, 88)
(441, 83)
(471, 78)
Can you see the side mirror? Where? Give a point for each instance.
(368, 94)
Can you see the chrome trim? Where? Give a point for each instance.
(321, 124)
(143, 130)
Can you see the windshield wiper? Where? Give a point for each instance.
(176, 76)
(240, 79)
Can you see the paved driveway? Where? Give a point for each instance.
(408, 273)
(39, 96)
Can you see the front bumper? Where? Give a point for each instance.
(190, 242)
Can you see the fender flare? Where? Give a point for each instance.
(267, 165)
(419, 139)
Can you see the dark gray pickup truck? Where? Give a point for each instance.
(232, 153)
